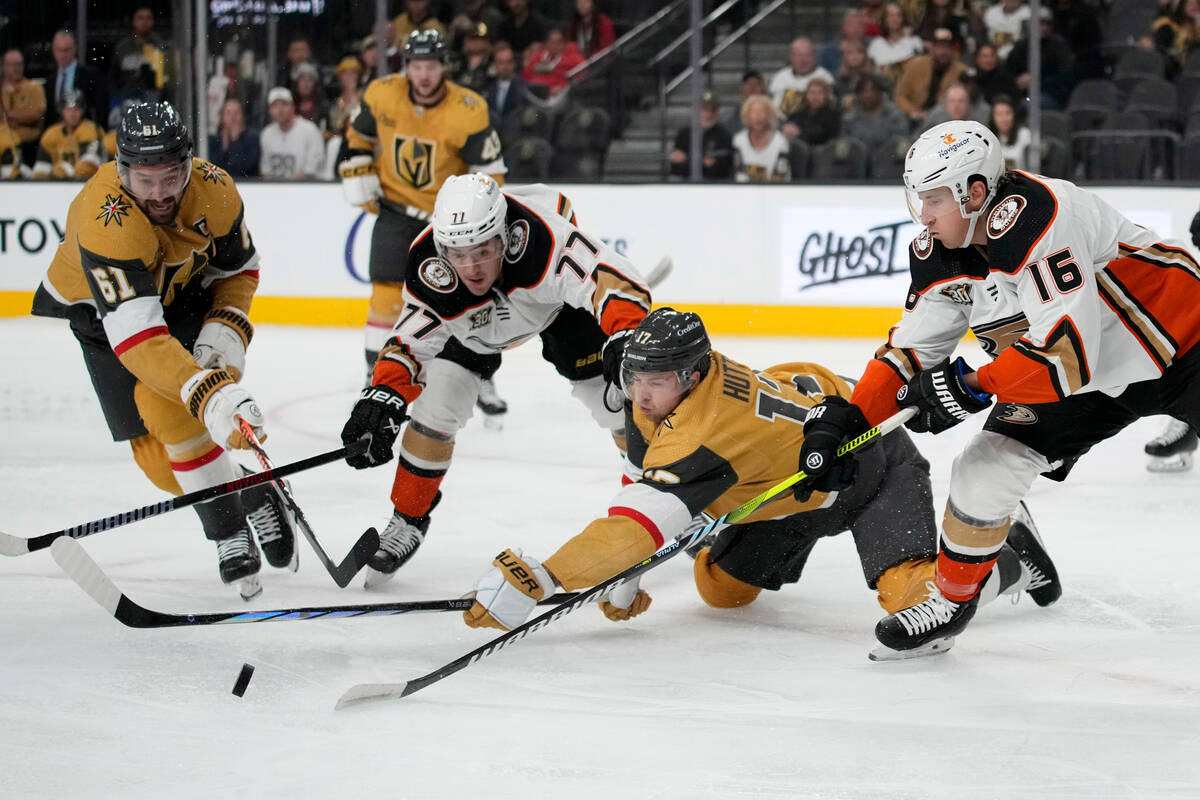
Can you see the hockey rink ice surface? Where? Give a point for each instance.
(1095, 697)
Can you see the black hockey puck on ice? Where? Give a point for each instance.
(243, 680)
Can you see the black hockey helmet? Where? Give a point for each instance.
(667, 341)
(150, 134)
(425, 45)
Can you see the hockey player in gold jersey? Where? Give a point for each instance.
(155, 274)
(71, 148)
(412, 132)
(708, 434)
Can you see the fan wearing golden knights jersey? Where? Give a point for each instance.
(71, 148)
(494, 270)
(1111, 319)
(412, 132)
(155, 274)
(706, 434)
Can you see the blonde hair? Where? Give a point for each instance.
(757, 100)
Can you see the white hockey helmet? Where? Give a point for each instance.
(469, 209)
(948, 155)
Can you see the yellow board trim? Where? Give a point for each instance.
(765, 320)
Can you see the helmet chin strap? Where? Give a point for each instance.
(974, 218)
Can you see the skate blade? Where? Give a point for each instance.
(250, 587)
(882, 653)
(375, 578)
(1180, 462)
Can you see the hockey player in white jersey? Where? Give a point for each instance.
(1092, 322)
(493, 270)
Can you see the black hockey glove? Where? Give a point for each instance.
(377, 416)
(828, 426)
(1195, 229)
(612, 354)
(942, 397)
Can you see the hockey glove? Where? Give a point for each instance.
(1195, 229)
(828, 426)
(360, 180)
(377, 416)
(624, 601)
(942, 397)
(508, 593)
(219, 345)
(215, 400)
(612, 354)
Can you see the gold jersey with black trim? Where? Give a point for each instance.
(126, 269)
(416, 147)
(69, 155)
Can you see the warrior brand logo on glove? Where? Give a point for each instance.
(903, 393)
(814, 461)
(947, 397)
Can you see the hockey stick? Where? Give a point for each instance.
(83, 569)
(660, 272)
(365, 692)
(363, 549)
(18, 546)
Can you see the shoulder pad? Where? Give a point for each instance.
(930, 262)
(1020, 216)
(531, 247)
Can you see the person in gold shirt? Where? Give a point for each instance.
(708, 434)
(72, 148)
(155, 274)
(11, 166)
(412, 132)
(24, 103)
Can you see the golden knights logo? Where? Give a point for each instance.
(481, 318)
(958, 292)
(113, 209)
(210, 172)
(415, 160)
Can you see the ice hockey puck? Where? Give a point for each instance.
(243, 680)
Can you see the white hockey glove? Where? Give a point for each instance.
(215, 400)
(624, 601)
(360, 180)
(219, 346)
(509, 592)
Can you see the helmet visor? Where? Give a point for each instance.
(482, 253)
(681, 381)
(157, 182)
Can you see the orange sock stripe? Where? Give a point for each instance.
(960, 581)
(413, 494)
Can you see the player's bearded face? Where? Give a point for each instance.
(940, 213)
(158, 189)
(425, 76)
(656, 393)
(478, 265)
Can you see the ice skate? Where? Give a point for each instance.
(492, 405)
(933, 648)
(239, 563)
(273, 523)
(698, 522)
(1044, 586)
(397, 544)
(1173, 450)
(935, 619)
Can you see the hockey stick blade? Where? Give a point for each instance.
(89, 576)
(362, 550)
(367, 692)
(18, 545)
(660, 272)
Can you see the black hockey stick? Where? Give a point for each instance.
(83, 569)
(365, 692)
(363, 549)
(18, 546)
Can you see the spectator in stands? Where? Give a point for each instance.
(752, 84)
(818, 119)
(139, 61)
(872, 11)
(1004, 22)
(235, 148)
(417, 16)
(955, 107)
(299, 51)
(11, 166)
(474, 68)
(1177, 30)
(852, 34)
(70, 73)
(506, 95)
(310, 98)
(292, 147)
(345, 108)
(788, 84)
(760, 152)
(1058, 64)
(24, 104)
(925, 78)
(70, 148)
(716, 144)
(549, 64)
(522, 28)
(939, 15)
(471, 13)
(590, 29)
(872, 117)
(990, 77)
(855, 66)
(895, 45)
(1014, 137)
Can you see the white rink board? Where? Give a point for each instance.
(770, 245)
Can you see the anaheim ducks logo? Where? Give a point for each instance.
(923, 244)
(958, 292)
(437, 276)
(113, 209)
(1004, 215)
(415, 160)
(1018, 415)
(518, 240)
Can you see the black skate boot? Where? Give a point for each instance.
(1044, 586)
(273, 523)
(1173, 450)
(491, 404)
(239, 563)
(924, 629)
(397, 544)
